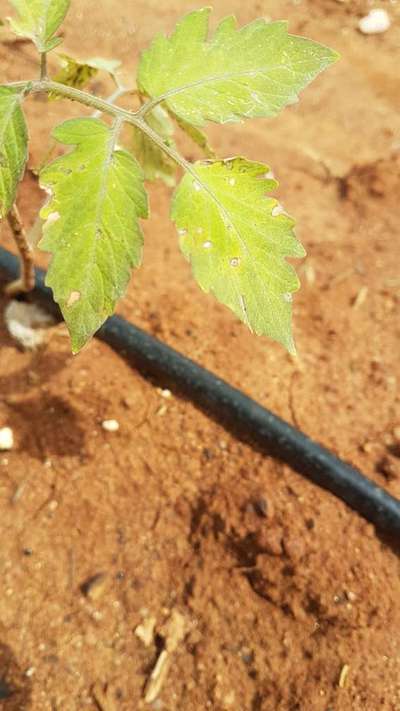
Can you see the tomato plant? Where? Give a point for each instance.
(234, 234)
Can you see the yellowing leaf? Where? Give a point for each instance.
(78, 73)
(196, 135)
(155, 163)
(92, 228)
(237, 73)
(13, 146)
(39, 20)
(237, 244)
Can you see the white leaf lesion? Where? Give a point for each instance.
(73, 298)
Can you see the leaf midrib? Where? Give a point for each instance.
(110, 147)
(44, 37)
(219, 77)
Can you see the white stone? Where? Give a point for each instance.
(6, 439)
(110, 425)
(27, 323)
(375, 22)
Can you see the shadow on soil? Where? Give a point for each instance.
(15, 686)
(47, 423)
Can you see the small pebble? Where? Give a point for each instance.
(94, 587)
(351, 596)
(6, 439)
(375, 22)
(26, 323)
(110, 425)
(261, 507)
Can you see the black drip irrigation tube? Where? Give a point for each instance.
(238, 412)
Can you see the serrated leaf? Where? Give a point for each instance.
(237, 245)
(78, 73)
(155, 163)
(92, 228)
(13, 146)
(237, 73)
(39, 20)
(196, 135)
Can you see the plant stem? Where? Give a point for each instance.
(26, 281)
(103, 106)
(119, 91)
(135, 118)
(43, 66)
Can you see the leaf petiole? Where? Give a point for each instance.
(43, 66)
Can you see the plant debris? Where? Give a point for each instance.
(173, 632)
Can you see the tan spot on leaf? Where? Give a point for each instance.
(73, 298)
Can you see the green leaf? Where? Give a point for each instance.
(155, 163)
(92, 228)
(13, 146)
(237, 244)
(39, 20)
(78, 73)
(236, 74)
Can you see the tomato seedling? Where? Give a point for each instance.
(235, 236)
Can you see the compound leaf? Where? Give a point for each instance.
(155, 163)
(92, 228)
(39, 20)
(237, 73)
(237, 243)
(13, 146)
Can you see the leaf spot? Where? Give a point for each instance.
(234, 262)
(277, 210)
(52, 217)
(196, 185)
(73, 298)
(207, 244)
(288, 297)
(232, 181)
(182, 232)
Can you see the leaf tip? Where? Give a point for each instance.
(78, 340)
(335, 56)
